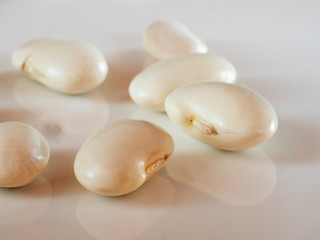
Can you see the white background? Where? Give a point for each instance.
(269, 192)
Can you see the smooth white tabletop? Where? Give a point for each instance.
(271, 192)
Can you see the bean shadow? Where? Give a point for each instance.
(16, 114)
(123, 67)
(7, 82)
(10, 110)
(60, 174)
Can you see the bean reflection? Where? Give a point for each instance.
(23, 205)
(61, 115)
(125, 217)
(237, 178)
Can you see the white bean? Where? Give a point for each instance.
(64, 65)
(24, 154)
(165, 39)
(151, 87)
(223, 115)
(119, 158)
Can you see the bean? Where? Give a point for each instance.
(119, 158)
(64, 65)
(151, 87)
(165, 39)
(24, 154)
(223, 115)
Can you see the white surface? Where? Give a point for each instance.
(269, 192)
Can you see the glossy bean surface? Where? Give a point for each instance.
(64, 65)
(120, 157)
(24, 154)
(151, 87)
(225, 116)
(165, 39)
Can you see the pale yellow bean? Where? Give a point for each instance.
(223, 115)
(165, 39)
(65, 65)
(24, 154)
(151, 87)
(119, 158)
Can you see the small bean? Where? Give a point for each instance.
(165, 39)
(119, 158)
(24, 154)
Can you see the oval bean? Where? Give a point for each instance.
(24, 154)
(119, 158)
(223, 115)
(151, 87)
(165, 39)
(64, 65)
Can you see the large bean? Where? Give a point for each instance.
(64, 65)
(151, 87)
(119, 158)
(223, 115)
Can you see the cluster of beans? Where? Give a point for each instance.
(196, 89)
